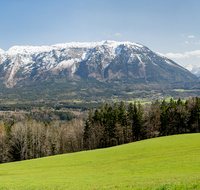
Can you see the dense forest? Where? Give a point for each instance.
(115, 125)
(108, 126)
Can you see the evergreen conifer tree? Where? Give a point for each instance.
(137, 121)
(197, 113)
(163, 118)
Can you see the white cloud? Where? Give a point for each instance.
(186, 42)
(182, 35)
(118, 34)
(194, 53)
(191, 36)
(187, 54)
(176, 55)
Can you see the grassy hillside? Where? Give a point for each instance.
(171, 162)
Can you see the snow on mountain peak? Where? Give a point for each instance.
(194, 69)
(116, 43)
(81, 58)
(189, 67)
(89, 45)
(2, 51)
(27, 49)
(161, 55)
(59, 55)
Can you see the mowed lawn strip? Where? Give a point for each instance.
(148, 162)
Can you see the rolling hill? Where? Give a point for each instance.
(170, 162)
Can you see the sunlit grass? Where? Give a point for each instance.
(182, 90)
(77, 101)
(171, 162)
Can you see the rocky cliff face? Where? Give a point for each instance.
(106, 60)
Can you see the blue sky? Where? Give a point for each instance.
(170, 27)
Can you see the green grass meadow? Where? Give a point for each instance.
(171, 162)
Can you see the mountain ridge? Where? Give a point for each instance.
(105, 60)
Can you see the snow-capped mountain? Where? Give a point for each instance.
(193, 69)
(2, 51)
(105, 60)
(189, 67)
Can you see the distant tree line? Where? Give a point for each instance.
(42, 115)
(105, 127)
(115, 125)
(57, 106)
